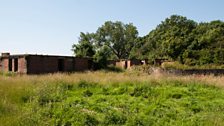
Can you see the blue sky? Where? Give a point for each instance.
(52, 26)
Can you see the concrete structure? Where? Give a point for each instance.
(121, 64)
(135, 62)
(38, 64)
(126, 64)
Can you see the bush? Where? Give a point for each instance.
(115, 118)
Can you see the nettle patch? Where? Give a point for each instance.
(166, 103)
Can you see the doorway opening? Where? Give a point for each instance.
(126, 64)
(10, 65)
(15, 64)
(60, 64)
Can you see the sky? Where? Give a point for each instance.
(50, 27)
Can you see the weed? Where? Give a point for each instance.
(105, 98)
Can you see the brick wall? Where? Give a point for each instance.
(133, 62)
(121, 64)
(126, 64)
(21, 65)
(5, 65)
(37, 64)
(69, 64)
(42, 64)
(81, 64)
(50, 64)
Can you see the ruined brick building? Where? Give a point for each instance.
(38, 64)
(127, 64)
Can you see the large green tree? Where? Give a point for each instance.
(170, 38)
(176, 38)
(119, 37)
(208, 44)
(85, 46)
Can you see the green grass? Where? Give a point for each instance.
(81, 99)
(177, 65)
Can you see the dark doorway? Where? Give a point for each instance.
(90, 63)
(15, 65)
(126, 64)
(60, 64)
(10, 64)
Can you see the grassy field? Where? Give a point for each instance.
(107, 98)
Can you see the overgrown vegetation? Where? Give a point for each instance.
(106, 98)
(179, 66)
(176, 38)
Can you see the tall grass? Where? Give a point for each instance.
(177, 65)
(30, 99)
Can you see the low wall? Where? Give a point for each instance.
(197, 71)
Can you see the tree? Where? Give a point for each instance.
(176, 38)
(119, 37)
(170, 38)
(85, 46)
(207, 45)
(176, 35)
(102, 55)
(138, 50)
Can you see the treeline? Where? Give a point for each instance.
(176, 38)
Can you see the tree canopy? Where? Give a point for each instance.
(113, 40)
(85, 47)
(176, 38)
(119, 37)
(180, 39)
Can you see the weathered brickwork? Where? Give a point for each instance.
(5, 65)
(38, 64)
(131, 63)
(82, 64)
(121, 64)
(41, 64)
(126, 64)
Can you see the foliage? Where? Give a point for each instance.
(119, 37)
(7, 74)
(96, 99)
(176, 38)
(186, 41)
(113, 40)
(179, 66)
(139, 50)
(172, 103)
(101, 56)
(85, 47)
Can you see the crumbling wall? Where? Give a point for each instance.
(21, 65)
(121, 64)
(131, 63)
